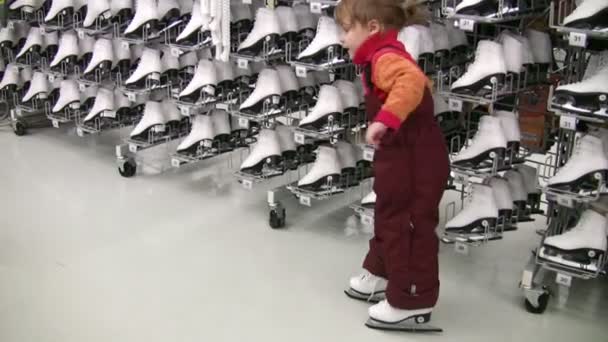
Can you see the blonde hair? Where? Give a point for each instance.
(391, 14)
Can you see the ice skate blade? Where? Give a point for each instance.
(365, 297)
(408, 325)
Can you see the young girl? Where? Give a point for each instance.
(411, 164)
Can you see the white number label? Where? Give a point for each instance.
(565, 201)
(243, 123)
(80, 34)
(247, 184)
(461, 178)
(131, 97)
(55, 123)
(206, 143)
(175, 52)
(455, 105)
(82, 87)
(577, 39)
(316, 7)
(305, 200)
(125, 46)
(185, 111)
(368, 154)
(299, 138)
(466, 24)
(176, 163)
(300, 71)
(567, 122)
(461, 248)
(563, 279)
(247, 2)
(110, 114)
(51, 78)
(79, 132)
(242, 63)
(133, 148)
(159, 128)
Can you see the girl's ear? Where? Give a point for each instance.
(373, 26)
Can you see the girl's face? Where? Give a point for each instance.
(354, 34)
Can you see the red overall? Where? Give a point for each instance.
(411, 169)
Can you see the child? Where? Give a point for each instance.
(411, 164)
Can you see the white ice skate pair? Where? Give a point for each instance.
(382, 315)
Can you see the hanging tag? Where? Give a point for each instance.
(577, 39)
(185, 111)
(305, 201)
(461, 248)
(109, 114)
(79, 132)
(175, 52)
(299, 138)
(567, 122)
(131, 97)
(11, 25)
(176, 163)
(242, 63)
(563, 279)
(80, 34)
(125, 45)
(368, 154)
(82, 87)
(247, 184)
(565, 201)
(247, 2)
(276, 100)
(316, 7)
(460, 178)
(133, 148)
(51, 78)
(466, 25)
(243, 123)
(300, 71)
(55, 123)
(455, 105)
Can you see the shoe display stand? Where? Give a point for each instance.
(566, 204)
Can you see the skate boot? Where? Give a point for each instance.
(427, 49)
(101, 62)
(86, 45)
(267, 88)
(168, 12)
(60, 11)
(327, 112)
(369, 201)
(33, 43)
(513, 51)
(190, 34)
(68, 95)
(480, 213)
(186, 8)
(517, 187)
(122, 58)
(39, 88)
(384, 316)
(367, 287)
(241, 18)
(202, 132)
(265, 153)
(542, 51)
(225, 78)
(411, 38)
(149, 68)
(459, 45)
(587, 166)
(152, 121)
(121, 10)
(8, 38)
(173, 117)
(98, 14)
(288, 147)
(589, 15)
(288, 23)
(307, 22)
(350, 100)
(504, 203)
(441, 42)
(50, 45)
(510, 126)
(203, 83)
(582, 247)
(585, 97)
(326, 44)
(325, 172)
(221, 126)
(87, 98)
(488, 143)
(530, 177)
(11, 80)
(267, 28)
(104, 102)
(146, 19)
(289, 84)
(123, 105)
(449, 122)
(347, 156)
(67, 54)
(488, 68)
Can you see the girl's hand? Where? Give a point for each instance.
(375, 132)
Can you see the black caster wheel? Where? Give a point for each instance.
(277, 219)
(19, 129)
(128, 169)
(543, 301)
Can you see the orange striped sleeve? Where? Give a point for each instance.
(404, 83)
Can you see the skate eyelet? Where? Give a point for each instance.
(591, 254)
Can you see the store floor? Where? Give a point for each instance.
(88, 256)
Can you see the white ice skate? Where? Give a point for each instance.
(384, 316)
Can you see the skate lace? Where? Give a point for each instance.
(366, 277)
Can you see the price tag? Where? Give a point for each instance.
(461, 178)
(247, 184)
(565, 201)
(299, 138)
(176, 163)
(242, 63)
(154, 77)
(466, 24)
(461, 248)
(55, 123)
(577, 39)
(75, 105)
(276, 100)
(367, 220)
(11, 25)
(368, 154)
(175, 52)
(51, 78)
(455, 105)
(563, 279)
(159, 128)
(79, 132)
(185, 111)
(43, 30)
(82, 87)
(42, 96)
(316, 7)
(247, 2)
(567, 122)
(131, 97)
(18, 111)
(305, 200)
(80, 34)
(133, 148)
(243, 123)
(300, 71)
(109, 114)
(206, 143)
(125, 46)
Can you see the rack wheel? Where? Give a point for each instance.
(128, 169)
(277, 218)
(19, 128)
(543, 301)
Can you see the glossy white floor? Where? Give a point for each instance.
(86, 255)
